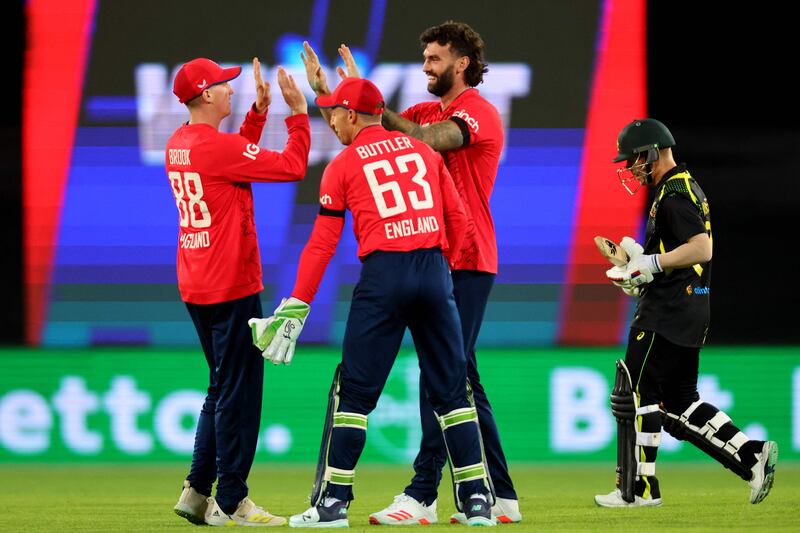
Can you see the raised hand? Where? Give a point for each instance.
(263, 95)
(349, 63)
(292, 94)
(314, 73)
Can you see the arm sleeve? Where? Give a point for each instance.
(324, 237)
(316, 255)
(253, 124)
(682, 217)
(457, 225)
(243, 161)
(479, 123)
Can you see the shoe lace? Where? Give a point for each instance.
(399, 500)
(251, 507)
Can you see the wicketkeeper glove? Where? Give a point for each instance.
(637, 272)
(277, 335)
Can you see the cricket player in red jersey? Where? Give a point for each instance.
(468, 132)
(406, 215)
(219, 273)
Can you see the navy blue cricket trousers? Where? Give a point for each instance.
(471, 290)
(398, 290)
(227, 430)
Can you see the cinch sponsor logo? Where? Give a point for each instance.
(326, 199)
(471, 122)
(702, 290)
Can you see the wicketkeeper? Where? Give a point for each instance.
(406, 216)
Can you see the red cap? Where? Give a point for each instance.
(198, 75)
(357, 94)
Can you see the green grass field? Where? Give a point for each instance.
(140, 498)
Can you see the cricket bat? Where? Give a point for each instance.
(611, 251)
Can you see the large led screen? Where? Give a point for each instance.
(100, 220)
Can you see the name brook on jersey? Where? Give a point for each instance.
(408, 226)
(179, 157)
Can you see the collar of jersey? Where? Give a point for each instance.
(362, 130)
(458, 98)
(673, 173)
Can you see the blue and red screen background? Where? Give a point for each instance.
(101, 222)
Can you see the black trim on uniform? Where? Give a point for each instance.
(462, 125)
(324, 211)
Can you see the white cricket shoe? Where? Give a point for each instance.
(246, 514)
(405, 511)
(191, 505)
(334, 515)
(763, 472)
(614, 499)
(504, 511)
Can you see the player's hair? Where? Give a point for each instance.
(464, 41)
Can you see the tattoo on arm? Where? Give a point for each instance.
(440, 136)
(393, 121)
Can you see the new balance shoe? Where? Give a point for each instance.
(334, 515)
(405, 511)
(763, 472)
(614, 499)
(191, 505)
(478, 511)
(246, 514)
(504, 510)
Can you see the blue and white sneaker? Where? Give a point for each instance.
(334, 515)
(504, 510)
(478, 511)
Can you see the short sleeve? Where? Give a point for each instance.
(682, 217)
(480, 119)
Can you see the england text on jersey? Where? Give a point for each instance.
(191, 241)
(411, 226)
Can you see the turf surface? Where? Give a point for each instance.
(140, 498)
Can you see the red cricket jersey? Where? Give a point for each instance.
(400, 193)
(210, 174)
(474, 169)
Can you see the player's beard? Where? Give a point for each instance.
(444, 82)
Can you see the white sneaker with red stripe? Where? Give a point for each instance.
(405, 511)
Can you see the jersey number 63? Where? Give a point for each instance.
(423, 201)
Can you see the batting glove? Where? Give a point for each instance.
(637, 272)
(631, 247)
(277, 335)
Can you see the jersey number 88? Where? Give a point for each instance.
(182, 189)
